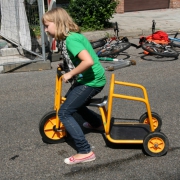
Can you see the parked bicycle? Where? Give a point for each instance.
(111, 47)
(158, 44)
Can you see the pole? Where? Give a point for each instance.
(40, 7)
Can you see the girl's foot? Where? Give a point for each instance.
(88, 126)
(80, 158)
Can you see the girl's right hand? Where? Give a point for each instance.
(66, 77)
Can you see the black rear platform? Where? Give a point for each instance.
(127, 131)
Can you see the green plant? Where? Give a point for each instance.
(92, 14)
(32, 13)
(35, 30)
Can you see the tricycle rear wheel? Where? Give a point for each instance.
(157, 121)
(156, 144)
(48, 131)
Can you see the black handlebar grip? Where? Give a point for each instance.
(59, 73)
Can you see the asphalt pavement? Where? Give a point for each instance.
(26, 96)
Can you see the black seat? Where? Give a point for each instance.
(98, 102)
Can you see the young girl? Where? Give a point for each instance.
(85, 66)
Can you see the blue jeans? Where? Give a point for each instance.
(77, 98)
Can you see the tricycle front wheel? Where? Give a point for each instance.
(49, 132)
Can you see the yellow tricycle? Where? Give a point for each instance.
(146, 131)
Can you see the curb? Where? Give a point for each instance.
(95, 35)
(26, 67)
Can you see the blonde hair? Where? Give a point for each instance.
(64, 23)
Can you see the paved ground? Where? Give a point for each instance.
(140, 22)
(26, 96)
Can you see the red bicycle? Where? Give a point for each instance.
(158, 44)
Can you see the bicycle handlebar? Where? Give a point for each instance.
(176, 34)
(116, 29)
(153, 26)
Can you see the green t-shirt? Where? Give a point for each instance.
(95, 75)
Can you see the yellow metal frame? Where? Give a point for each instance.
(58, 100)
(106, 114)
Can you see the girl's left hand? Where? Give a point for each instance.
(66, 77)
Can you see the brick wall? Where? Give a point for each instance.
(120, 6)
(174, 4)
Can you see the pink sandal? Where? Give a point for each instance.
(72, 160)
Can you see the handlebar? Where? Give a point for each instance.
(59, 72)
(116, 29)
(176, 34)
(153, 26)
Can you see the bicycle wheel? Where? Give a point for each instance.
(175, 42)
(98, 43)
(158, 49)
(115, 49)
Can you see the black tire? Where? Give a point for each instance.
(176, 43)
(156, 144)
(98, 43)
(47, 130)
(157, 121)
(160, 50)
(116, 48)
(122, 46)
